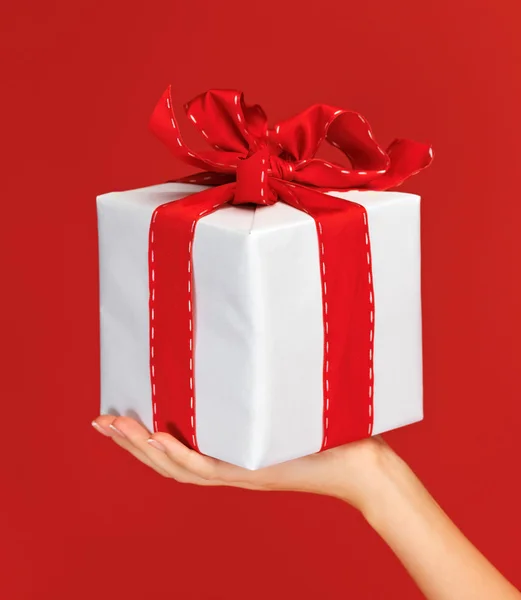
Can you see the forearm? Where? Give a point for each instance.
(443, 563)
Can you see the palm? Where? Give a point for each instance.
(343, 472)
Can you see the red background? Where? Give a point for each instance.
(81, 519)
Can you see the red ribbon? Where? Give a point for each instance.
(250, 163)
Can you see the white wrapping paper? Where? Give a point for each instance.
(258, 315)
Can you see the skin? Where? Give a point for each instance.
(369, 476)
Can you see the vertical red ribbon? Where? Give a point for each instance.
(344, 250)
(172, 310)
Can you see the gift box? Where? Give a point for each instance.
(274, 312)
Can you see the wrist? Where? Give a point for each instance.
(397, 494)
(385, 480)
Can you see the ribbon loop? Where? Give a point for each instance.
(238, 132)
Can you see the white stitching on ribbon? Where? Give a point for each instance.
(371, 329)
(152, 321)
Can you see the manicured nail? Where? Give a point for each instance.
(116, 430)
(155, 444)
(101, 429)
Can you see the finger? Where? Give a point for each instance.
(102, 424)
(138, 436)
(105, 425)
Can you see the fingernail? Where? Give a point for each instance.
(155, 444)
(101, 429)
(116, 430)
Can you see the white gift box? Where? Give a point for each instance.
(259, 322)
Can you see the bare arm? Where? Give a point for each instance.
(366, 474)
(440, 559)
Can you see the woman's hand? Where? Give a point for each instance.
(351, 472)
(366, 474)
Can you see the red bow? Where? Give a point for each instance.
(253, 164)
(245, 150)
